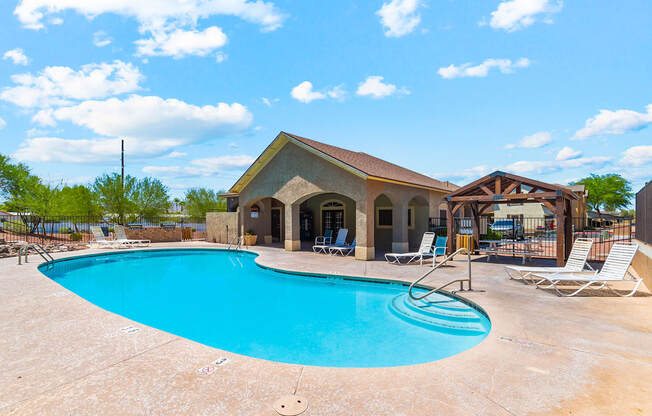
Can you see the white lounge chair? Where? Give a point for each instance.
(344, 250)
(121, 238)
(576, 263)
(340, 241)
(615, 269)
(327, 238)
(99, 239)
(425, 250)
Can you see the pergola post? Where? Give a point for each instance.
(450, 228)
(475, 212)
(559, 229)
(568, 230)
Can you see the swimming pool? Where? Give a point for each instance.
(224, 300)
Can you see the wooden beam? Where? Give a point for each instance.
(486, 190)
(450, 228)
(457, 206)
(511, 187)
(511, 197)
(499, 181)
(568, 229)
(476, 225)
(559, 228)
(484, 208)
(549, 205)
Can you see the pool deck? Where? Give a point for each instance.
(545, 355)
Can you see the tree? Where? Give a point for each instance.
(12, 176)
(151, 197)
(79, 201)
(112, 198)
(199, 201)
(606, 192)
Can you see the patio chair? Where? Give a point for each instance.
(340, 241)
(344, 250)
(576, 263)
(425, 250)
(99, 239)
(121, 237)
(615, 269)
(327, 238)
(440, 249)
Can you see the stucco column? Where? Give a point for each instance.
(400, 242)
(292, 234)
(364, 230)
(266, 218)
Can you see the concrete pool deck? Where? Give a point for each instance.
(590, 355)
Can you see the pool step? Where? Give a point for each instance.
(454, 314)
(458, 322)
(437, 300)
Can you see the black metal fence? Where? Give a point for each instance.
(77, 230)
(644, 214)
(538, 235)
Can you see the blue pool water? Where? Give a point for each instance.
(223, 299)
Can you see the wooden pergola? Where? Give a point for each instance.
(503, 188)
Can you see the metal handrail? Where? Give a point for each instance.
(42, 252)
(461, 281)
(237, 240)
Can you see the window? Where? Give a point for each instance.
(384, 217)
(255, 210)
(332, 216)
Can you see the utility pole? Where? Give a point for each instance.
(122, 163)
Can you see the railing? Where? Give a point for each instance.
(39, 249)
(236, 243)
(438, 265)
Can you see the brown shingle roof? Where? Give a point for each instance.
(373, 166)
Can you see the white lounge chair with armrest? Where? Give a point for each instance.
(425, 250)
(327, 238)
(344, 250)
(615, 269)
(121, 237)
(99, 239)
(576, 263)
(340, 241)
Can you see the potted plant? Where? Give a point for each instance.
(250, 238)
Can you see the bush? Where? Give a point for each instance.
(14, 227)
(75, 237)
(492, 235)
(65, 230)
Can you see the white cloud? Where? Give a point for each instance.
(3, 124)
(338, 92)
(17, 56)
(203, 167)
(55, 149)
(567, 153)
(177, 154)
(58, 85)
(505, 66)
(533, 141)
(179, 43)
(152, 117)
(221, 57)
(101, 39)
(614, 122)
(399, 17)
(304, 93)
(375, 87)
(513, 15)
(637, 156)
(525, 167)
(154, 14)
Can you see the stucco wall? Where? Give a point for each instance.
(155, 234)
(221, 227)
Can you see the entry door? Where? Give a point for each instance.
(332, 220)
(276, 225)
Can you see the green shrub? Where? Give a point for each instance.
(492, 235)
(65, 230)
(14, 227)
(75, 237)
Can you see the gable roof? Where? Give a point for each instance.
(481, 189)
(359, 163)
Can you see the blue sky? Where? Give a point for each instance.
(452, 89)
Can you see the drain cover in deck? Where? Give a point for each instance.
(290, 405)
